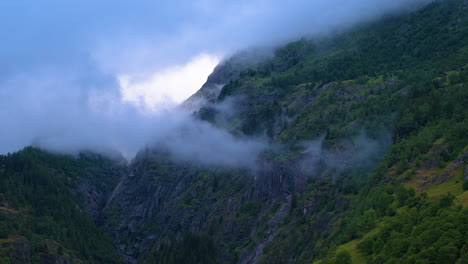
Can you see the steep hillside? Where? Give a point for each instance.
(332, 108)
(47, 202)
(368, 145)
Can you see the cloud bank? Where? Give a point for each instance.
(78, 75)
(359, 152)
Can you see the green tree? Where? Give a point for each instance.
(343, 257)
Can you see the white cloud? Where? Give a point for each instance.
(78, 87)
(168, 86)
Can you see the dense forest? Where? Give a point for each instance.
(385, 103)
(40, 214)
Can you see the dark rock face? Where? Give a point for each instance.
(159, 200)
(98, 182)
(273, 178)
(138, 202)
(93, 200)
(251, 257)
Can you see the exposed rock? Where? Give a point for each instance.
(252, 257)
(94, 194)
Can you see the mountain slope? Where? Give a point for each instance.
(347, 94)
(368, 146)
(46, 203)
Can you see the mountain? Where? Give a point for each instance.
(50, 204)
(366, 163)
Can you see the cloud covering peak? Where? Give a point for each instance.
(93, 74)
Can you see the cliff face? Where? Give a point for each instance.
(159, 200)
(366, 135)
(98, 182)
(330, 109)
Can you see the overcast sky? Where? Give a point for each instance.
(89, 73)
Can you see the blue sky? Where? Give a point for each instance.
(80, 74)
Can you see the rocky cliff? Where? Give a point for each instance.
(365, 160)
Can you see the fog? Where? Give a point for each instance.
(361, 151)
(80, 118)
(61, 62)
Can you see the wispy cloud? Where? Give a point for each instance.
(77, 74)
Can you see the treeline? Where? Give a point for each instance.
(36, 185)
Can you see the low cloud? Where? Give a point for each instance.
(82, 118)
(193, 140)
(360, 151)
(100, 75)
(168, 87)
